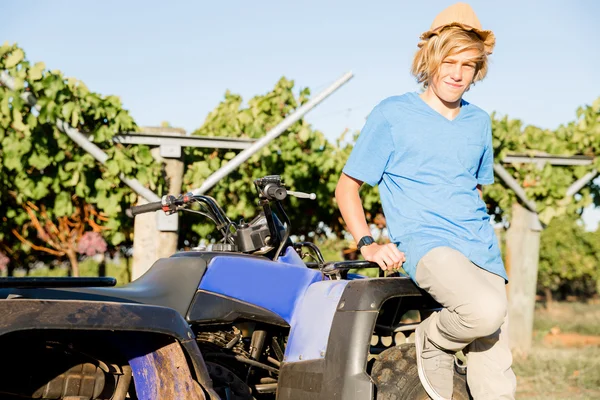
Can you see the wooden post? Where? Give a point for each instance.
(145, 241)
(522, 255)
(174, 173)
(150, 244)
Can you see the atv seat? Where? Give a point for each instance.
(170, 282)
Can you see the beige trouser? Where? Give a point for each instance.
(474, 319)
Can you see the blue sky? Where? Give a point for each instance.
(173, 62)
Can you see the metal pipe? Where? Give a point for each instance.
(257, 343)
(272, 134)
(212, 142)
(244, 360)
(274, 361)
(548, 158)
(581, 182)
(140, 189)
(514, 185)
(82, 141)
(266, 387)
(534, 223)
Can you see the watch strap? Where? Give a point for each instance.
(364, 241)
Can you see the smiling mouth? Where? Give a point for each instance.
(452, 85)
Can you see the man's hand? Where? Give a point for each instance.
(387, 256)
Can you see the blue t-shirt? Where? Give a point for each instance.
(428, 168)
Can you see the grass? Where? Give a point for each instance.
(582, 318)
(558, 372)
(87, 267)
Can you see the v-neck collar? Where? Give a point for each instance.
(424, 104)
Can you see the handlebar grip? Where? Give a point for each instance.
(144, 208)
(275, 191)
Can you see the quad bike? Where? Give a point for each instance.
(245, 318)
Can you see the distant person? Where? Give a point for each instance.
(430, 153)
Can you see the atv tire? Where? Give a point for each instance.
(396, 377)
(227, 384)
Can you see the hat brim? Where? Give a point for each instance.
(488, 37)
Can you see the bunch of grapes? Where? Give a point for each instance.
(91, 243)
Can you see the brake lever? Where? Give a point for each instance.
(302, 195)
(170, 204)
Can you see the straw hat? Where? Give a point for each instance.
(463, 16)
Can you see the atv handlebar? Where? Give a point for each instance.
(275, 192)
(144, 208)
(171, 204)
(270, 189)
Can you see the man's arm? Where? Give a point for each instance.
(350, 204)
(346, 193)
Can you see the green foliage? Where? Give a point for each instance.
(569, 258)
(301, 155)
(547, 185)
(41, 166)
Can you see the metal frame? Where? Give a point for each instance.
(544, 158)
(540, 160)
(169, 139)
(581, 182)
(514, 185)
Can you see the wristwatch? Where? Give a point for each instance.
(364, 241)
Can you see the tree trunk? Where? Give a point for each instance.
(102, 266)
(548, 295)
(74, 263)
(128, 267)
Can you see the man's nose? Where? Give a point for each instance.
(456, 72)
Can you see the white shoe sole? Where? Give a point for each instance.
(419, 335)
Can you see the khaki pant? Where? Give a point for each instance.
(474, 319)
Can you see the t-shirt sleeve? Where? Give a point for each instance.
(372, 150)
(485, 173)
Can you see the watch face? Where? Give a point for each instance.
(365, 241)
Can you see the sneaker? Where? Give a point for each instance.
(435, 366)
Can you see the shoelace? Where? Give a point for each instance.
(443, 359)
(461, 368)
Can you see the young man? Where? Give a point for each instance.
(430, 153)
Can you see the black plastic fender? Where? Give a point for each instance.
(341, 373)
(32, 314)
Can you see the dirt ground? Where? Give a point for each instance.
(565, 360)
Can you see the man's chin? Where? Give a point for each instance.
(451, 99)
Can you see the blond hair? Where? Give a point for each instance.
(451, 40)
